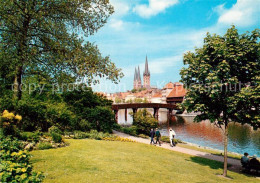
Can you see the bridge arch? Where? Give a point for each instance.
(136, 106)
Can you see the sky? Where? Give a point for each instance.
(164, 30)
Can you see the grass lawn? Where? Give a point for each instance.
(110, 161)
(212, 151)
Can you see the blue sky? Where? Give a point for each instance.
(164, 30)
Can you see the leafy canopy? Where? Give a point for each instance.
(48, 39)
(222, 78)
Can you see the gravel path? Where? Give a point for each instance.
(235, 164)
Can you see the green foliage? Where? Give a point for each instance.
(138, 100)
(54, 129)
(145, 100)
(56, 137)
(14, 163)
(130, 130)
(144, 121)
(141, 89)
(218, 75)
(80, 135)
(44, 145)
(118, 100)
(130, 101)
(167, 139)
(9, 122)
(143, 136)
(101, 119)
(134, 90)
(31, 136)
(42, 38)
(93, 134)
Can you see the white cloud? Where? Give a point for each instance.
(116, 24)
(121, 7)
(244, 13)
(155, 7)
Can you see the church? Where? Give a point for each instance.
(146, 77)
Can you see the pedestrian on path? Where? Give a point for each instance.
(158, 135)
(172, 134)
(152, 133)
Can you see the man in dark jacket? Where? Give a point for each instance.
(152, 133)
(158, 135)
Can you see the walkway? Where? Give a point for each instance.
(235, 164)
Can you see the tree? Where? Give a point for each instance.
(218, 80)
(118, 100)
(46, 38)
(144, 121)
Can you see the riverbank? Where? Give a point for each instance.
(235, 163)
(112, 161)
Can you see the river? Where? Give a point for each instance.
(242, 138)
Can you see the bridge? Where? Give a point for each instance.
(136, 106)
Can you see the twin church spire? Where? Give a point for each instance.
(146, 77)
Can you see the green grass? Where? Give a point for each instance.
(106, 161)
(212, 151)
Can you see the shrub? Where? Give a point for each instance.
(130, 130)
(54, 129)
(56, 137)
(14, 163)
(143, 136)
(101, 118)
(44, 145)
(144, 121)
(9, 122)
(80, 135)
(116, 138)
(30, 136)
(167, 139)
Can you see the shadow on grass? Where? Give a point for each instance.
(34, 160)
(217, 165)
(207, 162)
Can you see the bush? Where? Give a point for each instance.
(14, 163)
(93, 134)
(56, 137)
(54, 129)
(116, 126)
(30, 136)
(9, 122)
(116, 138)
(144, 121)
(44, 145)
(80, 135)
(130, 130)
(167, 139)
(143, 136)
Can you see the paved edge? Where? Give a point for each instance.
(236, 165)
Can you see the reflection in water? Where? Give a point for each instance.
(242, 138)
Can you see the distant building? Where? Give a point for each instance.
(146, 77)
(177, 94)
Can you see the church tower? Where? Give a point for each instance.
(146, 75)
(137, 79)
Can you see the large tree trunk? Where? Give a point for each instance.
(17, 88)
(225, 148)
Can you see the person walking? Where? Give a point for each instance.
(158, 135)
(172, 134)
(152, 133)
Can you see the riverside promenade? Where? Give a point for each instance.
(235, 164)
